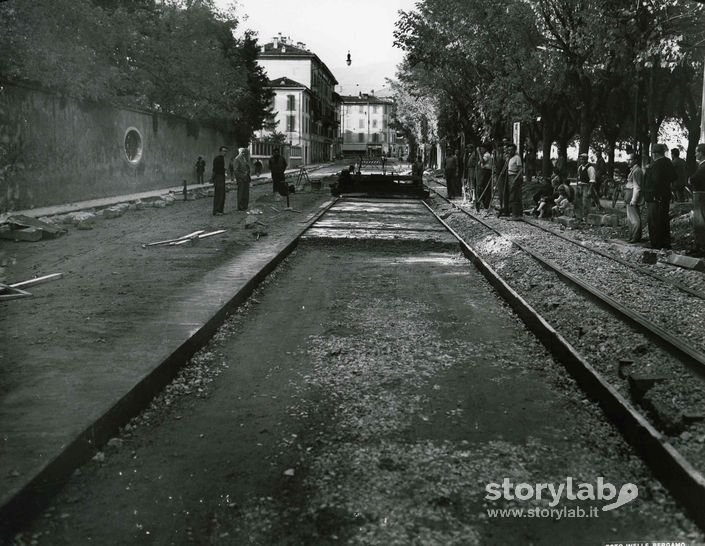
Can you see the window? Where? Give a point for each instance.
(374, 109)
(291, 103)
(361, 137)
(133, 145)
(374, 124)
(290, 123)
(375, 137)
(361, 109)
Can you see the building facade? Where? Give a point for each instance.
(305, 104)
(365, 126)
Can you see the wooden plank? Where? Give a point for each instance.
(38, 280)
(6, 297)
(171, 241)
(212, 233)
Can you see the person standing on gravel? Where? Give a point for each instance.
(200, 169)
(277, 166)
(680, 183)
(451, 174)
(241, 170)
(471, 164)
(515, 179)
(657, 192)
(219, 181)
(633, 198)
(697, 179)
(587, 179)
(561, 168)
(484, 177)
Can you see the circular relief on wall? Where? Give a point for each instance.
(133, 145)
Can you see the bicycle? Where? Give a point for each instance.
(618, 191)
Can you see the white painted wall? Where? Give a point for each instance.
(294, 69)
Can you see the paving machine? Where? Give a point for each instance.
(379, 177)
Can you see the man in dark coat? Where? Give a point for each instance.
(679, 185)
(697, 179)
(200, 169)
(657, 193)
(277, 166)
(697, 183)
(219, 181)
(451, 174)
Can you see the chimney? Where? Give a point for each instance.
(301, 45)
(275, 42)
(283, 49)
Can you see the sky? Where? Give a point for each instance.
(331, 28)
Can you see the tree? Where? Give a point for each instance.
(174, 56)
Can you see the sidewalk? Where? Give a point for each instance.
(105, 202)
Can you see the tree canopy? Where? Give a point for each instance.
(176, 57)
(600, 70)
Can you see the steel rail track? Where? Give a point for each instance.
(676, 284)
(694, 359)
(678, 475)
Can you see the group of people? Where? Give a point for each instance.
(474, 173)
(240, 171)
(482, 170)
(662, 181)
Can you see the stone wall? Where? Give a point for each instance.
(55, 150)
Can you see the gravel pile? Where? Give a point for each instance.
(677, 403)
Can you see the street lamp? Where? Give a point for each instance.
(348, 61)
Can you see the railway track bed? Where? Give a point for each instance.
(367, 393)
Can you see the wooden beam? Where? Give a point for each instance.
(171, 241)
(38, 280)
(5, 297)
(212, 233)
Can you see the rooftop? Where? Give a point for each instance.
(365, 98)
(285, 82)
(282, 47)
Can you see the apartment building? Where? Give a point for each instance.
(365, 125)
(305, 104)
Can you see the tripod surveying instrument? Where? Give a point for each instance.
(302, 179)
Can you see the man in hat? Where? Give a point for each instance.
(587, 178)
(657, 192)
(219, 181)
